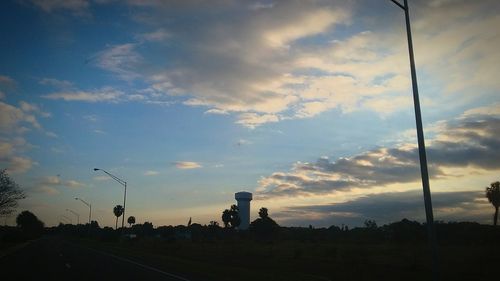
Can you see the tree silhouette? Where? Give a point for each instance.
(264, 225)
(226, 218)
(131, 220)
(493, 195)
(370, 224)
(118, 211)
(235, 216)
(263, 213)
(10, 193)
(147, 228)
(231, 217)
(30, 225)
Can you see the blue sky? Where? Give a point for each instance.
(307, 104)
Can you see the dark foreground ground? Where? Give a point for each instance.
(59, 258)
(52, 258)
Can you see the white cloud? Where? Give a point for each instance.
(307, 24)
(29, 107)
(73, 184)
(122, 60)
(243, 142)
(7, 81)
(216, 111)
(267, 62)
(155, 36)
(56, 181)
(16, 164)
(252, 120)
(61, 84)
(11, 154)
(187, 165)
(151, 173)
(235, 65)
(106, 94)
(12, 118)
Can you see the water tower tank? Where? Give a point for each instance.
(243, 198)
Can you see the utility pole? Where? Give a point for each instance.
(431, 232)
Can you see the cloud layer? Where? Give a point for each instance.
(391, 207)
(268, 62)
(15, 121)
(468, 141)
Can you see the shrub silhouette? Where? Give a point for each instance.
(31, 227)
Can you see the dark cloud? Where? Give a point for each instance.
(469, 141)
(390, 207)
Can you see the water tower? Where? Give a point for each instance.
(244, 199)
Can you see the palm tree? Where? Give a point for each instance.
(493, 195)
(118, 211)
(263, 213)
(131, 220)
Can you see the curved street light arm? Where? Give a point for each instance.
(399, 4)
(88, 205)
(83, 201)
(122, 182)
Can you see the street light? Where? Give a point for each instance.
(122, 182)
(421, 146)
(76, 214)
(88, 205)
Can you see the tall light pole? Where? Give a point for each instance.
(76, 214)
(421, 147)
(122, 182)
(88, 205)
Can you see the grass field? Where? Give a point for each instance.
(291, 260)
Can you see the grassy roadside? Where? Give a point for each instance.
(277, 261)
(289, 260)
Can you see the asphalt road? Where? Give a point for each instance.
(54, 259)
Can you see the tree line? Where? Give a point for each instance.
(264, 227)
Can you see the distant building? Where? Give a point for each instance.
(243, 198)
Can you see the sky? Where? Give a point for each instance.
(306, 104)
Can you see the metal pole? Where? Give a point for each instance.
(88, 205)
(76, 214)
(124, 200)
(421, 151)
(122, 182)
